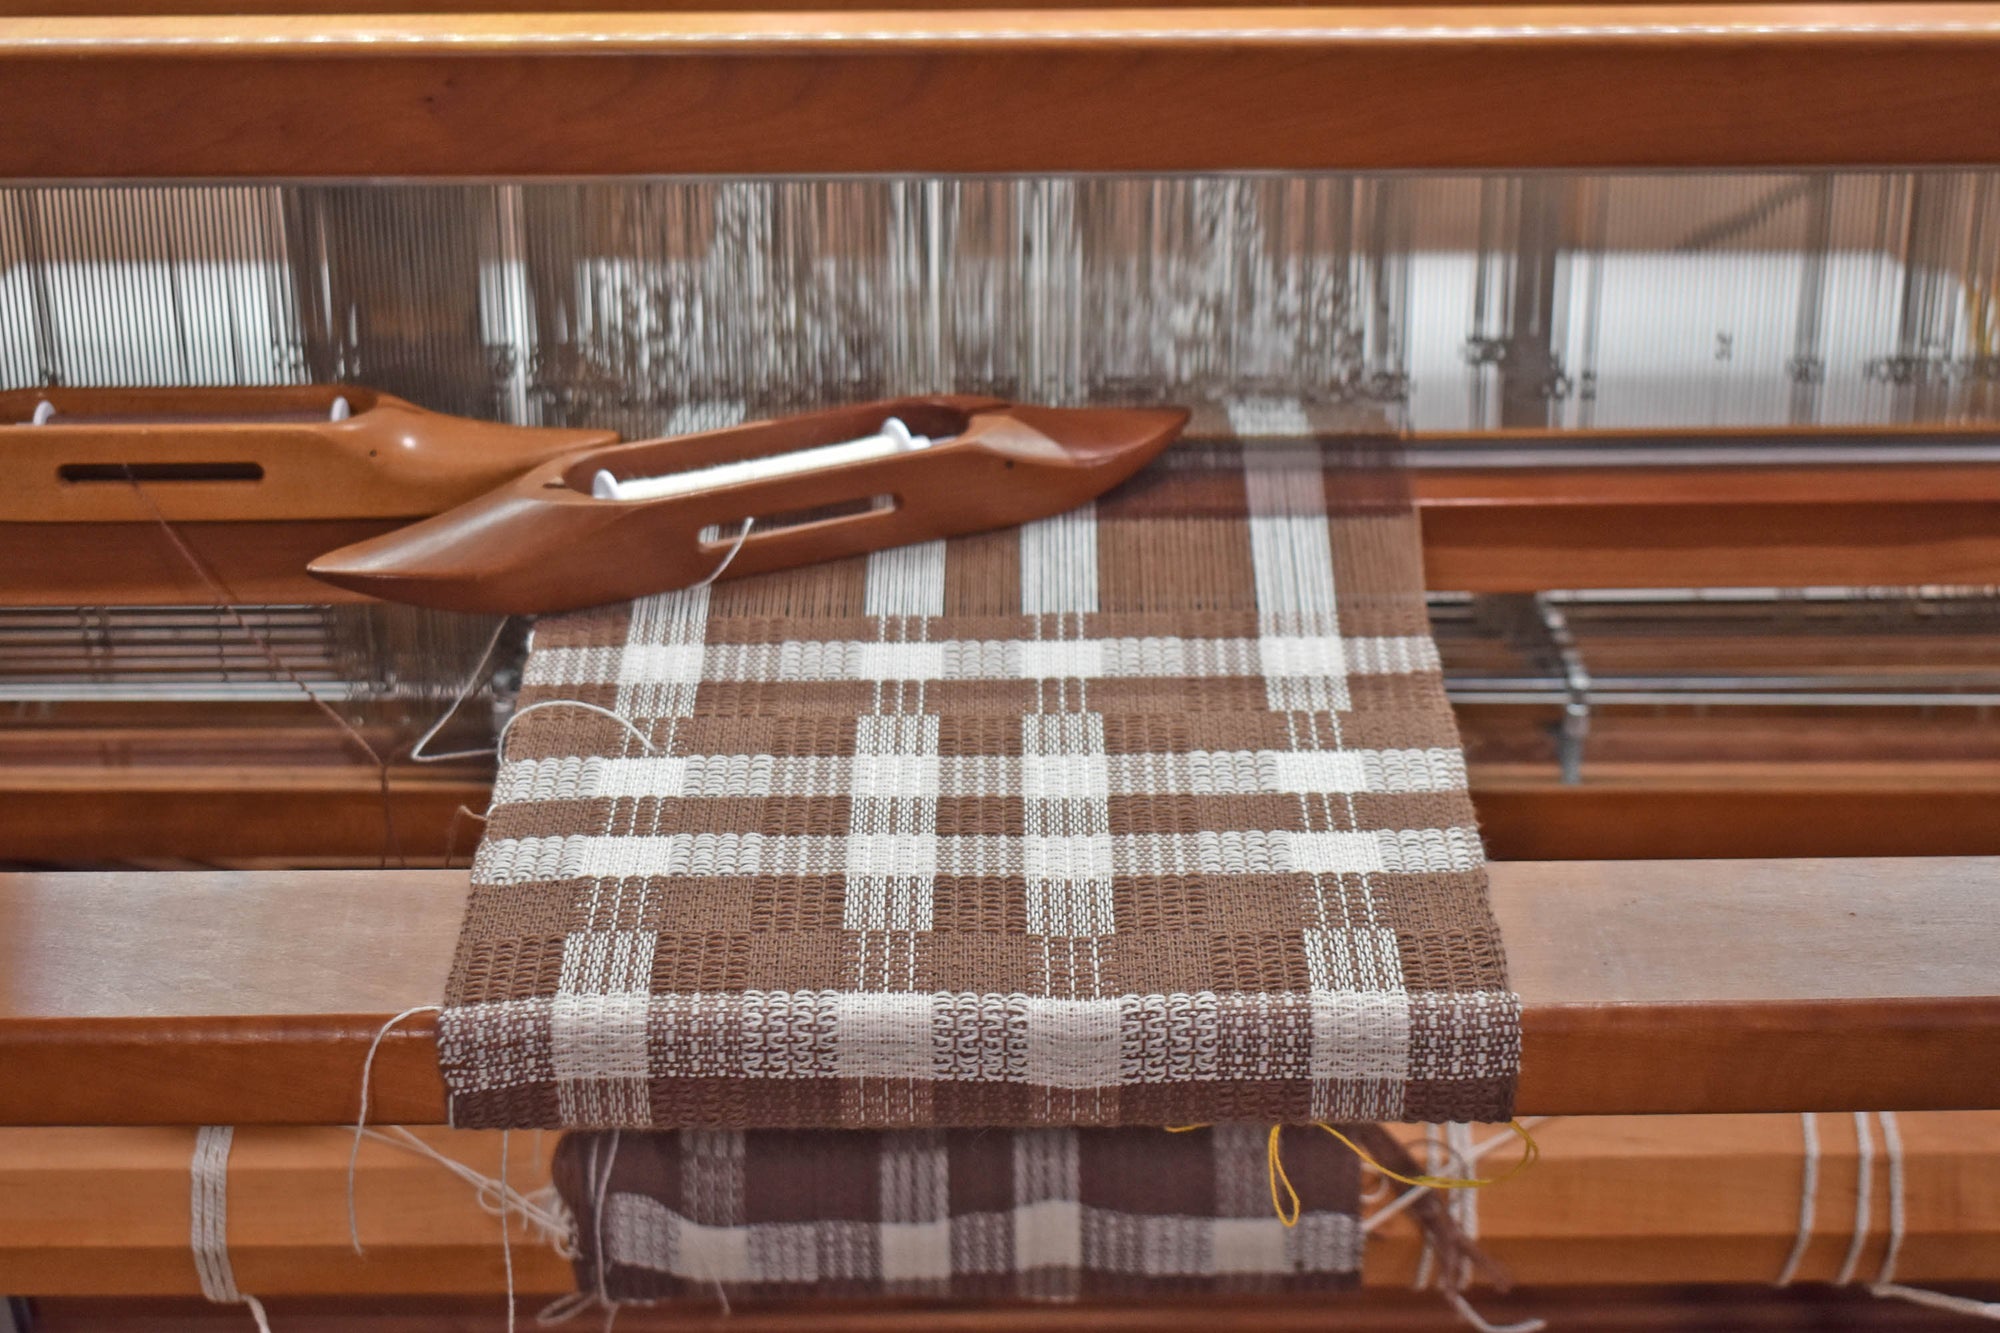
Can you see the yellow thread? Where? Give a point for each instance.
(1530, 1153)
(1274, 1163)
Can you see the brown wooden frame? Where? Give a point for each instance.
(1648, 987)
(1615, 86)
(1485, 530)
(1611, 1200)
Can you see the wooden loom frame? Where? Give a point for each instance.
(1140, 89)
(1489, 530)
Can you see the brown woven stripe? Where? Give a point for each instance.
(956, 1214)
(1150, 813)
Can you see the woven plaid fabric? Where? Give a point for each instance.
(1149, 813)
(1045, 1214)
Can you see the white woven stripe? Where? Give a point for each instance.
(659, 669)
(1078, 1045)
(889, 869)
(1218, 852)
(1060, 1235)
(905, 581)
(1059, 563)
(1066, 851)
(1268, 418)
(1195, 773)
(889, 863)
(1361, 1017)
(1170, 657)
(598, 1016)
(712, 1170)
(597, 1038)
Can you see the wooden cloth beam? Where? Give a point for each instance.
(104, 1212)
(989, 90)
(1664, 986)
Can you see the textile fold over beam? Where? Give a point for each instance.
(956, 1214)
(1151, 813)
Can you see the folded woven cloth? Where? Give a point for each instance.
(954, 1214)
(1151, 813)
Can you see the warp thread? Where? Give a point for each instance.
(1885, 1285)
(225, 600)
(1279, 1179)
(208, 1221)
(478, 673)
(361, 1116)
(1453, 1144)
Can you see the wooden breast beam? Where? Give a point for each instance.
(1648, 987)
(1416, 87)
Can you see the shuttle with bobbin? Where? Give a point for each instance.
(629, 520)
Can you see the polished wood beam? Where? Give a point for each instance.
(1647, 987)
(247, 816)
(1155, 89)
(1485, 529)
(1613, 1200)
(1530, 529)
(1669, 1309)
(1646, 812)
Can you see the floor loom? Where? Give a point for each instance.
(1731, 683)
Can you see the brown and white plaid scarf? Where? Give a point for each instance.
(1150, 813)
(964, 1215)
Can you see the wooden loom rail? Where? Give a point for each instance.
(332, 816)
(1613, 1200)
(1485, 530)
(1647, 987)
(1378, 1310)
(972, 91)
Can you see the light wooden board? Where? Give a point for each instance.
(1647, 987)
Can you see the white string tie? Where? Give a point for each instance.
(208, 1221)
(361, 1116)
(477, 674)
(1808, 1199)
(1885, 1285)
(1864, 1198)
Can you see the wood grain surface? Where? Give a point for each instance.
(249, 816)
(1485, 529)
(1005, 91)
(1614, 1200)
(1665, 986)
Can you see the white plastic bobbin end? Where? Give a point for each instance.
(342, 409)
(45, 412)
(898, 434)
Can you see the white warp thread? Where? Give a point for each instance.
(478, 673)
(208, 1221)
